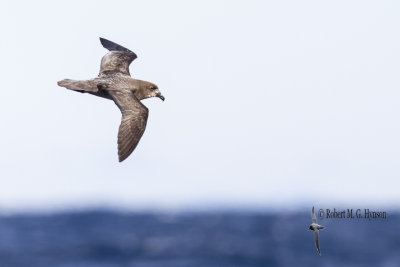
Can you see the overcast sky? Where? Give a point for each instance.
(268, 104)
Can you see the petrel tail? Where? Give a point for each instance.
(111, 46)
(81, 86)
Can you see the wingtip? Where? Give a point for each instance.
(102, 41)
(121, 158)
(111, 46)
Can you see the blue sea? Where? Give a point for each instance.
(111, 239)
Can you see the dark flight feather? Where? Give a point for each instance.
(111, 46)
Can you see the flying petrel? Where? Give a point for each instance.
(114, 82)
(315, 227)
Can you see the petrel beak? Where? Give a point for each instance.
(159, 95)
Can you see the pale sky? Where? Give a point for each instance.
(268, 104)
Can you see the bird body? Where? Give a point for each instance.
(115, 83)
(315, 227)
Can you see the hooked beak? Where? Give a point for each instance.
(159, 95)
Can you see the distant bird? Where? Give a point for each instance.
(114, 82)
(315, 227)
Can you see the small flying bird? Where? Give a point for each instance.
(315, 227)
(114, 82)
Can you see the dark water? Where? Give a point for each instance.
(109, 239)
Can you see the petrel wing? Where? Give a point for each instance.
(317, 241)
(117, 60)
(314, 219)
(133, 122)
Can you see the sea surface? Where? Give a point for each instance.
(110, 239)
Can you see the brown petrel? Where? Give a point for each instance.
(115, 83)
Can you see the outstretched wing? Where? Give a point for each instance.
(133, 122)
(117, 60)
(314, 219)
(317, 242)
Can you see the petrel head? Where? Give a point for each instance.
(152, 91)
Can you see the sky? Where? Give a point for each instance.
(268, 104)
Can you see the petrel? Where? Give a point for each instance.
(315, 227)
(114, 82)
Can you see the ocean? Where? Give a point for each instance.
(226, 238)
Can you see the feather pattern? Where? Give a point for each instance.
(133, 122)
(117, 60)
